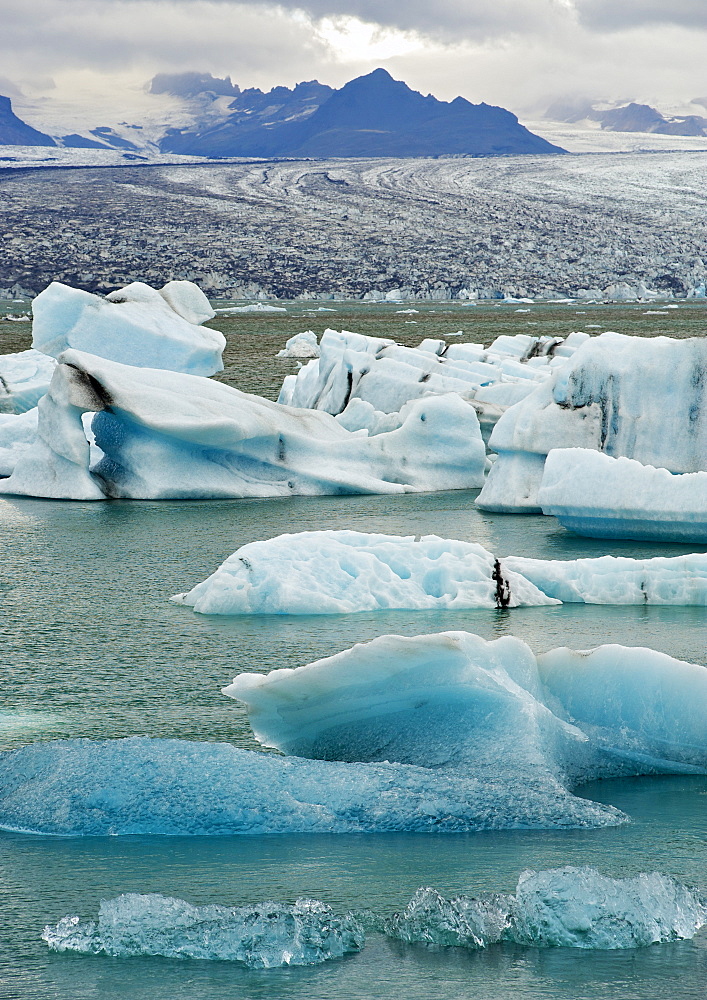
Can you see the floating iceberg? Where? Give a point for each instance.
(24, 379)
(136, 325)
(593, 494)
(338, 572)
(171, 435)
(141, 786)
(558, 908)
(254, 307)
(353, 367)
(456, 699)
(631, 397)
(678, 580)
(437, 733)
(263, 936)
(18, 432)
(302, 345)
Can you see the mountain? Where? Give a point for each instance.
(15, 132)
(630, 117)
(373, 115)
(193, 84)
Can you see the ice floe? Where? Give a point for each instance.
(261, 936)
(172, 435)
(557, 908)
(136, 325)
(593, 494)
(337, 572)
(631, 397)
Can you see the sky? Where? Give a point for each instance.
(521, 54)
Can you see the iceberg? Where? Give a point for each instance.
(629, 397)
(454, 699)
(260, 936)
(302, 345)
(557, 908)
(342, 572)
(24, 379)
(339, 572)
(138, 786)
(136, 325)
(386, 375)
(680, 580)
(167, 435)
(436, 733)
(592, 494)
(17, 434)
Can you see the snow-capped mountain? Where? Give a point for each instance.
(202, 115)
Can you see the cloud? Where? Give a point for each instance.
(616, 15)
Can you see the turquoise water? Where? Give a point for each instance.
(93, 647)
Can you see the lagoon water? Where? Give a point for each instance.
(93, 647)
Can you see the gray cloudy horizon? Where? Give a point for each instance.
(517, 53)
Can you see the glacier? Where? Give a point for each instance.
(136, 325)
(339, 572)
(558, 908)
(344, 571)
(630, 397)
(166, 434)
(265, 935)
(593, 494)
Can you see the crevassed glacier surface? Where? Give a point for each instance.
(261, 936)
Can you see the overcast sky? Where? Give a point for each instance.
(517, 53)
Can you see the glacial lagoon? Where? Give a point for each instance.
(94, 648)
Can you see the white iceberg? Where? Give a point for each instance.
(557, 908)
(17, 434)
(166, 435)
(302, 345)
(136, 325)
(339, 572)
(631, 397)
(593, 494)
(24, 379)
(260, 936)
(254, 307)
(677, 580)
(454, 700)
(386, 375)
